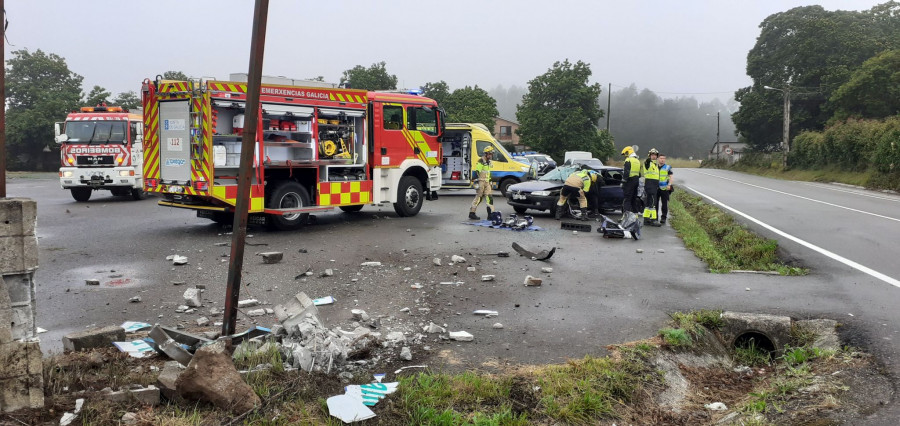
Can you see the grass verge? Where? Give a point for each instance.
(717, 239)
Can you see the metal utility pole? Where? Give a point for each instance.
(235, 267)
(608, 103)
(786, 129)
(3, 93)
(717, 125)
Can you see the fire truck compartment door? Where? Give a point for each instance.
(175, 140)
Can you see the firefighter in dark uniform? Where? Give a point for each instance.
(632, 173)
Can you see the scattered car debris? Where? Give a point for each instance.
(487, 278)
(270, 257)
(546, 269)
(132, 326)
(92, 281)
(639, 251)
(327, 300)
(457, 259)
(416, 286)
(177, 259)
(134, 348)
(498, 254)
(541, 255)
(135, 299)
(370, 264)
(487, 313)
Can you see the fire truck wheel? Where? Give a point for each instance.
(352, 209)
(409, 197)
(81, 194)
(287, 195)
(138, 194)
(120, 192)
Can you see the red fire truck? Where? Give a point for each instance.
(316, 149)
(101, 148)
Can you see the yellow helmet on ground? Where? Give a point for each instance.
(627, 151)
(489, 150)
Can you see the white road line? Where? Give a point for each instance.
(806, 244)
(801, 197)
(850, 191)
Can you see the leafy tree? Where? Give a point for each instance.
(128, 100)
(175, 75)
(439, 91)
(560, 112)
(471, 105)
(812, 51)
(97, 96)
(873, 90)
(375, 77)
(40, 90)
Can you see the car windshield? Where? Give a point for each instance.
(559, 173)
(592, 163)
(95, 132)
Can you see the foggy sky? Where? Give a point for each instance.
(675, 48)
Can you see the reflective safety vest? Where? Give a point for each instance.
(652, 172)
(664, 175)
(636, 167)
(583, 177)
(483, 170)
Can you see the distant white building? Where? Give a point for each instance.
(730, 151)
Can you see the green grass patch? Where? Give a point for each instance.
(676, 337)
(717, 239)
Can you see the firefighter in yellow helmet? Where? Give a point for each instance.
(577, 183)
(633, 171)
(651, 187)
(483, 190)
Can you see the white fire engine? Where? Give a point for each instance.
(101, 148)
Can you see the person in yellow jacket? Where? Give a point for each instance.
(633, 172)
(483, 190)
(651, 187)
(577, 183)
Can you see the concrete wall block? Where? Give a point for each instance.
(19, 287)
(13, 360)
(23, 323)
(5, 314)
(21, 392)
(18, 254)
(94, 338)
(17, 217)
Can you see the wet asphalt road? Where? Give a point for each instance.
(601, 291)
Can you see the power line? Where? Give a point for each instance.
(676, 93)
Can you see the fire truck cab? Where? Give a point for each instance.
(101, 148)
(316, 149)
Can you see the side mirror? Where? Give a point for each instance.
(63, 138)
(57, 127)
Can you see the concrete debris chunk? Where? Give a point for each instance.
(470, 269)
(177, 259)
(461, 336)
(487, 278)
(179, 282)
(639, 251)
(433, 328)
(192, 297)
(486, 313)
(406, 354)
(246, 303)
(404, 310)
(546, 269)
(533, 281)
(497, 325)
(256, 312)
(395, 337)
(271, 257)
(129, 419)
(328, 273)
(436, 261)
(182, 308)
(202, 321)
(716, 406)
(660, 251)
(457, 259)
(416, 286)
(135, 299)
(92, 281)
(93, 338)
(370, 264)
(211, 376)
(359, 314)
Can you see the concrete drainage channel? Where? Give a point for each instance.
(807, 375)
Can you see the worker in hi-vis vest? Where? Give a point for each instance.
(651, 187)
(483, 190)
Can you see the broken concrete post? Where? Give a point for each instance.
(167, 380)
(192, 297)
(272, 256)
(211, 376)
(93, 338)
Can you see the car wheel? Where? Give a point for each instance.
(81, 194)
(288, 194)
(520, 210)
(409, 197)
(505, 184)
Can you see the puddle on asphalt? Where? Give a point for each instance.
(110, 276)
